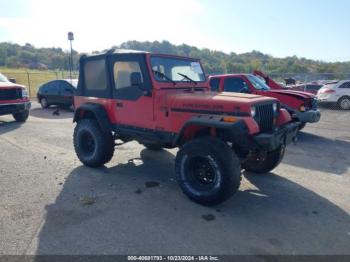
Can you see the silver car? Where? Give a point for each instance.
(337, 93)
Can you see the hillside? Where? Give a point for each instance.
(15, 56)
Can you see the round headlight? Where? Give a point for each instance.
(253, 111)
(274, 107)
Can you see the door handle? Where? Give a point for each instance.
(119, 104)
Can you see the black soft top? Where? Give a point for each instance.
(112, 52)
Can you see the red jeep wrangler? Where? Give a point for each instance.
(13, 100)
(163, 101)
(301, 105)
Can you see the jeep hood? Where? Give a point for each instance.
(213, 101)
(293, 93)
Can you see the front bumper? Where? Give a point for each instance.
(311, 116)
(283, 136)
(13, 108)
(327, 102)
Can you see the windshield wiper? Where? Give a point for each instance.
(188, 78)
(164, 76)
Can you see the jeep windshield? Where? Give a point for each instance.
(258, 83)
(176, 70)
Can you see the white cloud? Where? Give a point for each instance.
(100, 24)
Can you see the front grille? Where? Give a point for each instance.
(10, 94)
(314, 104)
(264, 117)
(7, 108)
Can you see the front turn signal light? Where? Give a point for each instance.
(229, 119)
(302, 108)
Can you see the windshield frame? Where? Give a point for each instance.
(3, 79)
(256, 80)
(174, 57)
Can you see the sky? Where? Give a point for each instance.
(315, 29)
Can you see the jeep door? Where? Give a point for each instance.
(133, 103)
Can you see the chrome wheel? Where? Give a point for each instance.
(344, 103)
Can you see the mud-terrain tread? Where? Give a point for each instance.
(273, 159)
(22, 116)
(104, 140)
(153, 147)
(227, 162)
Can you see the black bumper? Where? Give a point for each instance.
(7, 109)
(284, 135)
(311, 116)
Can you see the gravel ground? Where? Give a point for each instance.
(51, 204)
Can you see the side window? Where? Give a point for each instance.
(214, 84)
(345, 85)
(65, 87)
(44, 88)
(313, 87)
(122, 72)
(234, 84)
(52, 87)
(95, 77)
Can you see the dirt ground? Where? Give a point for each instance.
(51, 204)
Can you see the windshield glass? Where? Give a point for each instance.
(73, 82)
(3, 78)
(330, 85)
(258, 83)
(168, 69)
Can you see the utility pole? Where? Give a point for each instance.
(70, 38)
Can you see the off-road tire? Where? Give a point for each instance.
(301, 126)
(265, 165)
(22, 116)
(153, 147)
(220, 159)
(342, 105)
(43, 102)
(102, 149)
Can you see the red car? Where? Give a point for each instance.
(13, 100)
(163, 101)
(302, 106)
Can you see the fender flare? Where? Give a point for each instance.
(97, 111)
(238, 127)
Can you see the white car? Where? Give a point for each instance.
(337, 93)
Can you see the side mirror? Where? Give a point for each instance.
(12, 80)
(245, 90)
(136, 79)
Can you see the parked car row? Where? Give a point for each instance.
(301, 106)
(336, 93)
